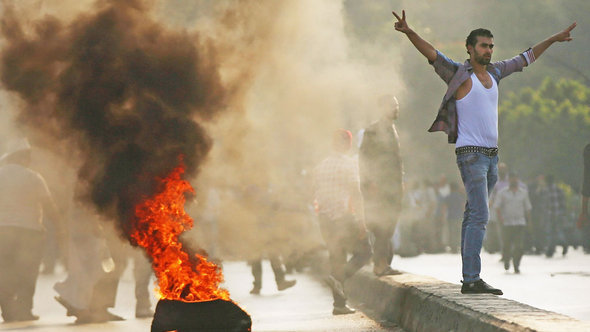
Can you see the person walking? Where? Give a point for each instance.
(468, 114)
(25, 202)
(513, 209)
(583, 219)
(556, 213)
(339, 203)
(381, 172)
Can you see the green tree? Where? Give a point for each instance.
(544, 130)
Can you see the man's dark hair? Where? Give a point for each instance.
(472, 38)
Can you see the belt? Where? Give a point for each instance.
(490, 152)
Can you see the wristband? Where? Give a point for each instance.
(529, 56)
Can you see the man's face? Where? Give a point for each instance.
(482, 52)
(513, 182)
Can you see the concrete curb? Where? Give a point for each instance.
(419, 303)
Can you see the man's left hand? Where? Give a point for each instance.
(564, 35)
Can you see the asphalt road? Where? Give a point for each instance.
(305, 307)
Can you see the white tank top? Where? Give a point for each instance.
(477, 113)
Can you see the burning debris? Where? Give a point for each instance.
(189, 286)
(126, 91)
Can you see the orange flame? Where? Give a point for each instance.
(159, 221)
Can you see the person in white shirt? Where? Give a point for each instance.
(513, 209)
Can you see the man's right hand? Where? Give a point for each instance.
(401, 25)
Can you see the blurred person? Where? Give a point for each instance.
(556, 212)
(428, 202)
(265, 214)
(276, 263)
(406, 243)
(513, 209)
(493, 237)
(473, 86)
(97, 261)
(538, 197)
(584, 218)
(25, 202)
(89, 263)
(442, 190)
(339, 203)
(453, 206)
(381, 173)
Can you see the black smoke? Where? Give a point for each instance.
(126, 93)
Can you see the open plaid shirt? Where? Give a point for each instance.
(334, 181)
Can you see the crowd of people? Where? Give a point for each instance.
(433, 212)
(37, 234)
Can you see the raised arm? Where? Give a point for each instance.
(421, 45)
(561, 36)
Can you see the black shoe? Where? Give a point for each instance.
(516, 270)
(506, 265)
(286, 284)
(564, 252)
(336, 286)
(479, 287)
(344, 310)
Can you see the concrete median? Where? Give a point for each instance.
(419, 303)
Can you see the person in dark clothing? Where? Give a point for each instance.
(555, 199)
(584, 218)
(538, 196)
(380, 167)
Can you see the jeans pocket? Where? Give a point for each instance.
(467, 159)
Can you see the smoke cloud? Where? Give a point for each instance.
(249, 92)
(126, 90)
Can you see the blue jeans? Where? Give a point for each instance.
(479, 174)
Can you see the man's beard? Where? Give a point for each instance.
(481, 59)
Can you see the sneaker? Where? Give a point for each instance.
(479, 287)
(286, 284)
(335, 285)
(343, 310)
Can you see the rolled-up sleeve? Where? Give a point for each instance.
(509, 66)
(444, 67)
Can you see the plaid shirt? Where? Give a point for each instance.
(334, 181)
(555, 201)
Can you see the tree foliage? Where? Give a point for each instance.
(544, 130)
